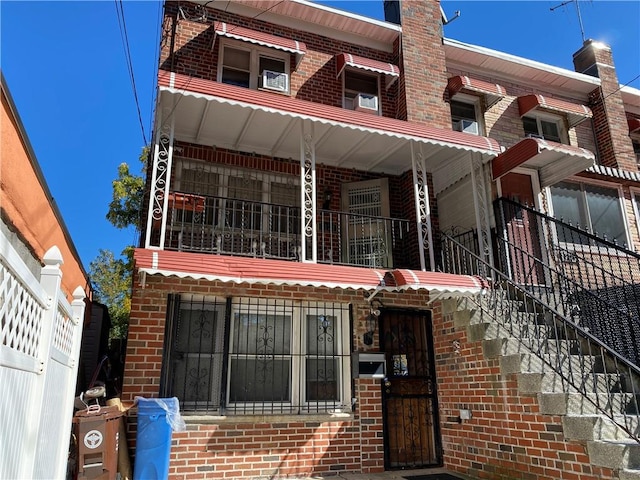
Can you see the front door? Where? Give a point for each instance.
(411, 431)
(521, 230)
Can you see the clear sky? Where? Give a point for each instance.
(66, 69)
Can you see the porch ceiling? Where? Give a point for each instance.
(216, 114)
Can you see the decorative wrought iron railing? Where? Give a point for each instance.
(556, 345)
(197, 223)
(589, 279)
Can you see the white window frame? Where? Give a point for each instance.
(363, 73)
(594, 183)
(477, 107)
(225, 172)
(298, 403)
(255, 53)
(560, 122)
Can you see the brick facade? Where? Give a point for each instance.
(507, 438)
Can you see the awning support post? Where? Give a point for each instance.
(160, 177)
(480, 179)
(423, 210)
(309, 238)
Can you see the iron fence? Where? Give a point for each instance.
(549, 342)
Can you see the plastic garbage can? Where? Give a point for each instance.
(97, 434)
(157, 417)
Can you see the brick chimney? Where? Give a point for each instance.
(615, 148)
(423, 82)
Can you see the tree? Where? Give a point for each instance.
(111, 277)
(128, 194)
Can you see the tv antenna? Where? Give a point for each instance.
(577, 10)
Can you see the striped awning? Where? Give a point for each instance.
(389, 70)
(236, 32)
(281, 272)
(574, 112)
(554, 161)
(492, 92)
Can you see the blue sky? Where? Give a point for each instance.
(65, 66)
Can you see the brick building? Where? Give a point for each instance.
(367, 247)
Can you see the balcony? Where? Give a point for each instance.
(228, 226)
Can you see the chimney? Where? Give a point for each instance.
(614, 145)
(423, 82)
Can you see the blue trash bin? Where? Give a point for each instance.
(156, 416)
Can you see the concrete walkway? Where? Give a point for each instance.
(394, 475)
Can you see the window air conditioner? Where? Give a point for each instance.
(467, 126)
(275, 81)
(365, 103)
(535, 135)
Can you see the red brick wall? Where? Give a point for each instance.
(507, 437)
(314, 79)
(615, 148)
(424, 82)
(243, 448)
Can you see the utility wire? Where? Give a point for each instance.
(127, 52)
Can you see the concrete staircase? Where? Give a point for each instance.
(587, 380)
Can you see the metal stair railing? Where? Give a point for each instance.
(554, 343)
(587, 278)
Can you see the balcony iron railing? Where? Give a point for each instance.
(210, 224)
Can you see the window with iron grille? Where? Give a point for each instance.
(280, 356)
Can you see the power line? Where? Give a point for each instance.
(127, 52)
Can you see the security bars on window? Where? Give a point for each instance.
(257, 356)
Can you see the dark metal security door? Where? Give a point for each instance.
(412, 436)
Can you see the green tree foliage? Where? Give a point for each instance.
(111, 277)
(128, 193)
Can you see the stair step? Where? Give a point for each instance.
(550, 382)
(627, 474)
(579, 404)
(615, 454)
(597, 427)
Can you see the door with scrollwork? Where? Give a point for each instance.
(412, 436)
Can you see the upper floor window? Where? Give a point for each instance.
(254, 67)
(636, 150)
(361, 91)
(464, 116)
(594, 208)
(548, 128)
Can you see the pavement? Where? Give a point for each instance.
(392, 475)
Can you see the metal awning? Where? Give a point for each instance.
(492, 92)
(244, 34)
(226, 116)
(389, 70)
(554, 161)
(634, 125)
(574, 112)
(281, 272)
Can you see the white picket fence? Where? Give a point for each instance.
(40, 335)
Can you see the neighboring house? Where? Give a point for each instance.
(303, 286)
(43, 289)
